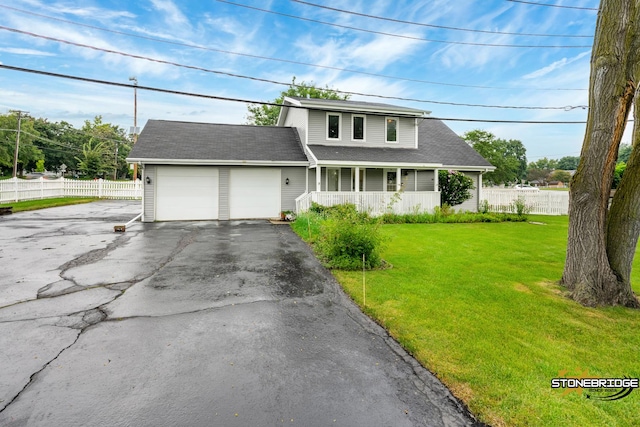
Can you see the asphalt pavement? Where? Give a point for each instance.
(191, 324)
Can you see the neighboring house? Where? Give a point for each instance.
(326, 151)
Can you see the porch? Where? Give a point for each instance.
(374, 202)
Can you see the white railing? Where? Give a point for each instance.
(15, 189)
(374, 202)
(538, 202)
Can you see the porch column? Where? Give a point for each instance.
(356, 180)
(318, 178)
(435, 180)
(480, 188)
(398, 179)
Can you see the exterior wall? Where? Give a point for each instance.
(472, 203)
(223, 193)
(425, 181)
(311, 173)
(409, 181)
(374, 131)
(374, 180)
(345, 178)
(297, 118)
(296, 187)
(149, 194)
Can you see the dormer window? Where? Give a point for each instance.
(358, 127)
(334, 125)
(391, 129)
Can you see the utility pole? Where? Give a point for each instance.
(135, 121)
(15, 157)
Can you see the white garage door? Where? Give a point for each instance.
(254, 193)
(186, 193)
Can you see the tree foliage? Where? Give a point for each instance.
(508, 156)
(602, 241)
(454, 187)
(28, 152)
(267, 115)
(568, 163)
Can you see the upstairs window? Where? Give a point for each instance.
(391, 124)
(358, 133)
(334, 123)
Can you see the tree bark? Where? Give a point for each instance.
(588, 273)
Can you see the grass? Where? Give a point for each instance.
(31, 205)
(478, 305)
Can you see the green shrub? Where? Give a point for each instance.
(345, 236)
(454, 187)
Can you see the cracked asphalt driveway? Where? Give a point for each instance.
(193, 324)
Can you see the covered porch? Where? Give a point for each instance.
(376, 190)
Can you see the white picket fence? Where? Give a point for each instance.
(538, 202)
(15, 189)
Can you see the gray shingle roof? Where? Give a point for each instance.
(357, 105)
(436, 144)
(173, 140)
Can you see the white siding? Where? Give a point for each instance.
(296, 187)
(149, 193)
(375, 131)
(297, 118)
(425, 181)
(472, 203)
(374, 180)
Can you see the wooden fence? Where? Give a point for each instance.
(537, 202)
(15, 189)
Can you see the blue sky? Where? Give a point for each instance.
(401, 64)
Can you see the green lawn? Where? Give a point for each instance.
(479, 306)
(31, 205)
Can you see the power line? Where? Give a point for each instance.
(192, 67)
(288, 61)
(247, 101)
(442, 27)
(554, 5)
(347, 27)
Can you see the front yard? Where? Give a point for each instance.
(479, 306)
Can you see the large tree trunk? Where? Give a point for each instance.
(624, 219)
(588, 273)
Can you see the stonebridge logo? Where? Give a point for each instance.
(593, 387)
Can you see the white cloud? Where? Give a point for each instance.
(22, 51)
(554, 66)
(173, 16)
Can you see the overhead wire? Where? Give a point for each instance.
(241, 76)
(248, 101)
(554, 5)
(288, 61)
(403, 36)
(440, 27)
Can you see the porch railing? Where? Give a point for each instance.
(374, 202)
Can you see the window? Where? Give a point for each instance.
(334, 123)
(358, 128)
(391, 125)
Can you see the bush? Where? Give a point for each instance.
(346, 235)
(454, 187)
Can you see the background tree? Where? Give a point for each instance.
(454, 187)
(602, 241)
(28, 153)
(541, 169)
(560, 175)
(568, 163)
(94, 160)
(624, 153)
(113, 141)
(267, 115)
(508, 156)
(60, 142)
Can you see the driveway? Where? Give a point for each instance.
(191, 324)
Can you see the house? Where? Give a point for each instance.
(378, 156)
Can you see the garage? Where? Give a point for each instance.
(254, 193)
(186, 193)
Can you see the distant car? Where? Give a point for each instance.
(38, 175)
(526, 187)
